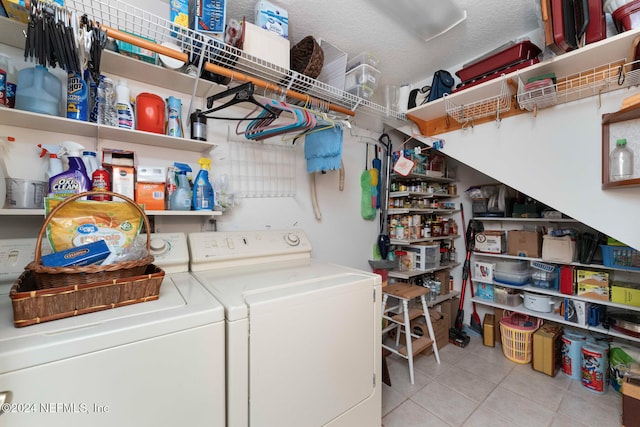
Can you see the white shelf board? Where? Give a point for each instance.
(576, 264)
(11, 33)
(406, 275)
(509, 219)
(43, 122)
(422, 240)
(40, 212)
(583, 59)
(553, 317)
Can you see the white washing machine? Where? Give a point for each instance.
(158, 363)
(303, 337)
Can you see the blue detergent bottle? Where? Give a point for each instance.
(181, 197)
(202, 189)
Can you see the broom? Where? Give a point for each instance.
(470, 240)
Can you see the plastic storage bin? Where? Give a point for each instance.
(426, 256)
(512, 272)
(362, 81)
(506, 296)
(620, 257)
(363, 58)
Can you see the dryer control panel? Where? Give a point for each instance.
(210, 250)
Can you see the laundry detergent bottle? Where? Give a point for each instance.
(74, 180)
(126, 118)
(202, 188)
(181, 197)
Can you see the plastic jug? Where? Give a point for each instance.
(621, 161)
(38, 91)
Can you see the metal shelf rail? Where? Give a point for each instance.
(133, 25)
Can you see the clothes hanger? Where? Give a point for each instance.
(242, 93)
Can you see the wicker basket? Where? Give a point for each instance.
(307, 57)
(48, 293)
(517, 331)
(51, 277)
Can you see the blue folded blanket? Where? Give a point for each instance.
(323, 149)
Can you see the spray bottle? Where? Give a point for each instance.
(181, 197)
(3, 168)
(171, 186)
(202, 189)
(74, 180)
(90, 162)
(55, 163)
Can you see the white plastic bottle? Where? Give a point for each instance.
(621, 161)
(123, 105)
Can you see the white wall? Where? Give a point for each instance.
(556, 159)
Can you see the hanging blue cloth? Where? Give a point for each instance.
(323, 149)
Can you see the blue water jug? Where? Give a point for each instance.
(39, 91)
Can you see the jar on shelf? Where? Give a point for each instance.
(436, 228)
(452, 189)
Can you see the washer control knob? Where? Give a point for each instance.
(158, 246)
(292, 239)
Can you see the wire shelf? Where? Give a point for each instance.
(604, 78)
(485, 107)
(127, 18)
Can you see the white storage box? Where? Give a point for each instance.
(362, 81)
(483, 271)
(427, 256)
(266, 45)
(558, 249)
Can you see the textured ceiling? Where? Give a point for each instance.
(355, 26)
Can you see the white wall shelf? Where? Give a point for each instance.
(35, 121)
(554, 317)
(584, 72)
(40, 212)
(509, 219)
(406, 275)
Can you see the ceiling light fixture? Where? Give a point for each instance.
(425, 18)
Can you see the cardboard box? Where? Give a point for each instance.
(631, 402)
(484, 291)
(87, 254)
(122, 181)
(137, 52)
(488, 330)
(209, 16)
(575, 311)
(491, 241)
(151, 195)
(440, 324)
(524, 243)
(625, 293)
(112, 157)
(483, 271)
(592, 284)
(450, 306)
(272, 18)
(442, 276)
(265, 45)
(547, 349)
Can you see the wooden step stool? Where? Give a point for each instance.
(401, 322)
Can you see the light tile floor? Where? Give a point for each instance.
(478, 386)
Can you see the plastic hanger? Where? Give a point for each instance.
(242, 93)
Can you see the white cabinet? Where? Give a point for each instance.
(626, 274)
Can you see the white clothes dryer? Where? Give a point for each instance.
(158, 363)
(303, 336)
